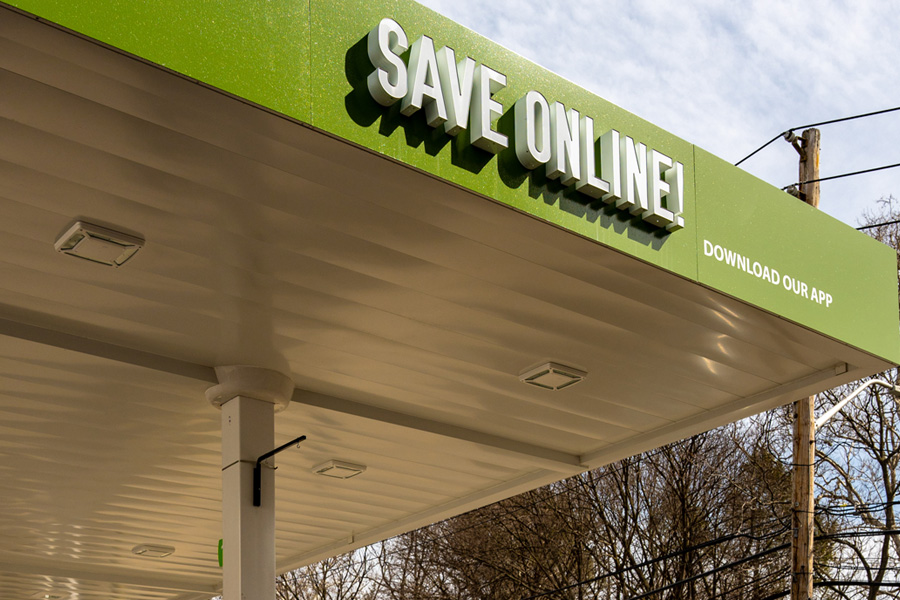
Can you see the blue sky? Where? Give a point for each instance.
(729, 76)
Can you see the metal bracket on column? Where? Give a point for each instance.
(257, 469)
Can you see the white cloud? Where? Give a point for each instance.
(728, 76)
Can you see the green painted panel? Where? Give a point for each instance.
(307, 59)
(343, 106)
(256, 50)
(768, 248)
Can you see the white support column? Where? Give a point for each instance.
(248, 431)
(249, 398)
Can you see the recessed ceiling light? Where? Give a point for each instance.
(552, 376)
(152, 550)
(98, 244)
(339, 469)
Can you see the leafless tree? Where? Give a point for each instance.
(344, 577)
(857, 455)
(666, 524)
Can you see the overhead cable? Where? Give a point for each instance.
(829, 122)
(860, 583)
(864, 227)
(675, 554)
(854, 509)
(787, 134)
(711, 571)
(894, 166)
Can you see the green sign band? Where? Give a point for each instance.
(526, 144)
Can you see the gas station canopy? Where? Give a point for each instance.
(278, 207)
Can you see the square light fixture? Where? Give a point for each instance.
(338, 469)
(152, 550)
(98, 244)
(552, 376)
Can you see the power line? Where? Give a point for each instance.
(863, 172)
(857, 567)
(787, 134)
(763, 580)
(829, 122)
(711, 571)
(857, 534)
(864, 227)
(860, 583)
(675, 554)
(854, 509)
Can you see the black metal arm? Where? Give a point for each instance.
(257, 469)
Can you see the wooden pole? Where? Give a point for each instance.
(803, 505)
(809, 166)
(803, 514)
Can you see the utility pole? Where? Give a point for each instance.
(802, 518)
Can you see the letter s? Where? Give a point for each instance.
(386, 42)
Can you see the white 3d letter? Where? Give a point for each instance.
(386, 42)
(634, 177)
(532, 116)
(675, 198)
(657, 214)
(424, 84)
(610, 161)
(456, 81)
(589, 183)
(564, 162)
(487, 83)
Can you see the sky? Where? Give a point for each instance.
(730, 76)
